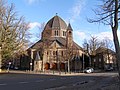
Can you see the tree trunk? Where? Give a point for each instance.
(117, 48)
(68, 66)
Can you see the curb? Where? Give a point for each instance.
(45, 73)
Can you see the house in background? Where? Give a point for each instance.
(55, 50)
(104, 59)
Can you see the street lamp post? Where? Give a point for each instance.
(83, 62)
(0, 60)
(31, 66)
(9, 66)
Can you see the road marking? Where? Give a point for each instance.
(113, 76)
(39, 81)
(23, 82)
(3, 84)
(61, 87)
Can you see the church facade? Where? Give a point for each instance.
(56, 50)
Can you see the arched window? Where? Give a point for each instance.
(56, 32)
(54, 53)
(61, 53)
(64, 33)
(47, 53)
(70, 32)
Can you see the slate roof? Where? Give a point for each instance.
(56, 22)
(69, 27)
(104, 50)
(61, 41)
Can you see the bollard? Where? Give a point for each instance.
(53, 72)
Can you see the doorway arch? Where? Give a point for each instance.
(54, 66)
(47, 66)
(62, 66)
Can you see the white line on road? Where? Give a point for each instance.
(23, 82)
(39, 81)
(3, 84)
(61, 87)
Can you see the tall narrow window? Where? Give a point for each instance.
(54, 52)
(47, 53)
(64, 33)
(61, 53)
(56, 32)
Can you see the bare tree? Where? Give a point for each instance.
(107, 43)
(13, 32)
(91, 46)
(41, 28)
(85, 42)
(109, 14)
(69, 55)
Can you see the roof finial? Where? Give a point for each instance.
(56, 14)
(69, 21)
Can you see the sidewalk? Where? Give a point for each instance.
(47, 73)
(3, 71)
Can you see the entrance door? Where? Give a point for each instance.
(47, 66)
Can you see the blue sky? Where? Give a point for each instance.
(73, 11)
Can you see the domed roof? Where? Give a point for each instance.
(56, 23)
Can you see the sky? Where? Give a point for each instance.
(74, 11)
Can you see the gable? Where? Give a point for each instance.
(55, 44)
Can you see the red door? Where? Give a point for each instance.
(47, 66)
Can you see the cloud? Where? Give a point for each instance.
(104, 35)
(80, 35)
(33, 1)
(33, 25)
(76, 9)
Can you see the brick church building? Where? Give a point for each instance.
(56, 50)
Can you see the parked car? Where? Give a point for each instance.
(89, 70)
(16, 68)
(109, 69)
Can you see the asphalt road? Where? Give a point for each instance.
(17, 81)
